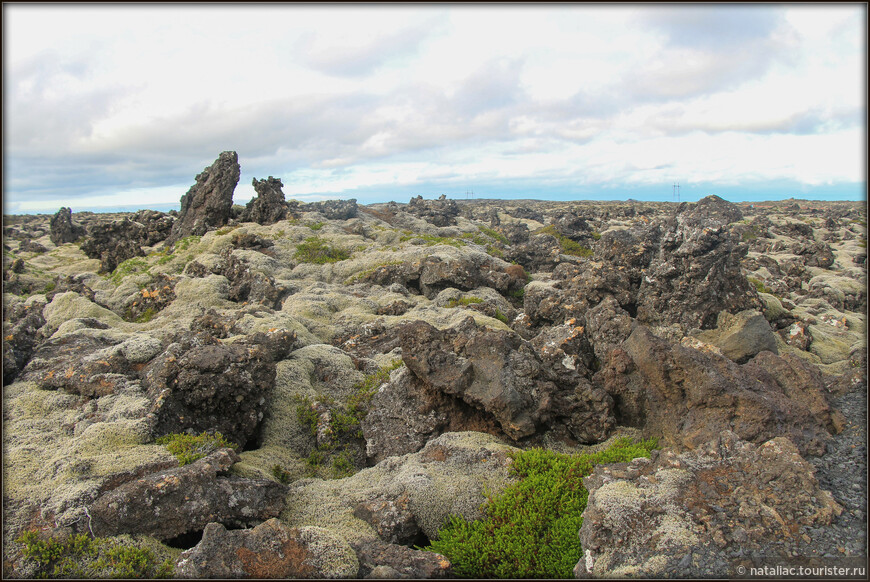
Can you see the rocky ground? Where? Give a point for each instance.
(375, 366)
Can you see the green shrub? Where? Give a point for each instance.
(307, 416)
(501, 316)
(146, 316)
(518, 293)
(494, 234)
(82, 557)
(596, 235)
(315, 226)
(186, 242)
(342, 466)
(759, 286)
(226, 230)
(128, 267)
(49, 287)
(280, 474)
(530, 529)
(316, 250)
(569, 247)
(463, 302)
(188, 448)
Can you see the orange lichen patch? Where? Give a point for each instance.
(70, 372)
(9, 337)
(289, 562)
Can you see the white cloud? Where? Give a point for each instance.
(111, 99)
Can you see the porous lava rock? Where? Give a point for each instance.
(157, 226)
(701, 513)
(333, 209)
(63, 229)
(80, 363)
(500, 373)
(695, 272)
(440, 212)
(269, 550)
(114, 243)
(208, 203)
(200, 384)
(268, 206)
(687, 396)
(185, 499)
(381, 560)
(22, 323)
(741, 336)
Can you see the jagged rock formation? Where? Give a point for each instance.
(114, 243)
(63, 230)
(269, 206)
(208, 203)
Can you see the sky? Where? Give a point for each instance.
(109, 106)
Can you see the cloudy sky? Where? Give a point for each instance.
(123, 105)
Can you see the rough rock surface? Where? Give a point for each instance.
(208, 203)
(21, 336)
(63, 229)
(186, 499)
(741, 336)
(701, 513)
(499, 373)
(440, 212)
(269, 550)
(333, 209)
(201, 384)
(114, 243)
(688, 396)
(269, 206)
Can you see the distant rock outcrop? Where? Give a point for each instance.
(208, 204)
(269, 206)
(63, 229)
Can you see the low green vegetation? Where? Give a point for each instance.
(318, 251)
(463, 302)
(431, 240)
(530, 529)
(501, 316)
(492, 233)
(280, 474)
(79, 556)
(186, 242)
(569, 246)
(315, 226)
(344, 423)
(188, 448)
(225, 230)
(760, 286)
(129, 267)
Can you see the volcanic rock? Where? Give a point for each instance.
(269, 550)
(114, 243)
(269, 206)
(63, 230)
(200, 384)
(699, 513)
(208, 203)
(186, 499)
(687, 396)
